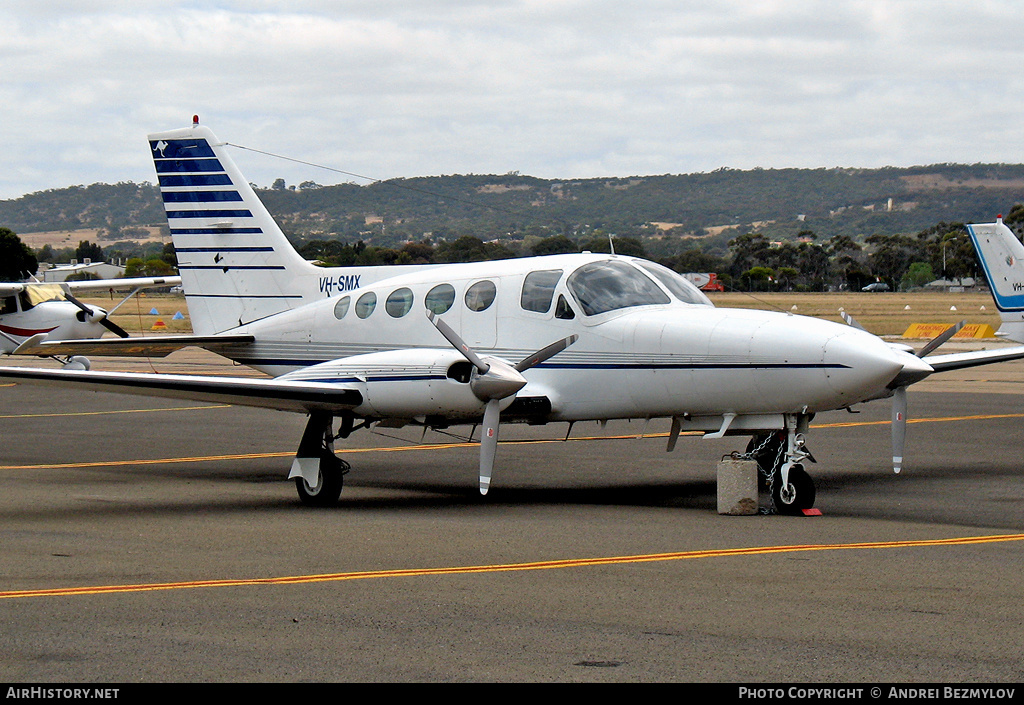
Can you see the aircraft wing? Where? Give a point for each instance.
(962, 360)
(152, 346)
(12, 288)
(133, 283)
(282, 395)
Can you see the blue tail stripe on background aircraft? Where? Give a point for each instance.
(562, 338)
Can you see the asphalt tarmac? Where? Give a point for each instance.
(152, 541)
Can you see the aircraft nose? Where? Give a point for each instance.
(860, 366)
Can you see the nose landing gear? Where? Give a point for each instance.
(780, 457)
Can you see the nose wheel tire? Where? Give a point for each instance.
(797, 495)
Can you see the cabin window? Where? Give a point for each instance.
(480, 296)
(399, 302)
(9, 304)
(341, 308)
(440, 298)
(539, 290)
(365, 304)
(680, 288)
(609, 285)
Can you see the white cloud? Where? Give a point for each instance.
(570, 88)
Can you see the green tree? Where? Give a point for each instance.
(17, 261)
(758, 278)
(88, 251)
(919, 274)
(556, 245)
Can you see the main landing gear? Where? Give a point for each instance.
(780, 456)
(318, 473)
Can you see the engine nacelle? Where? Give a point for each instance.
(404, 383)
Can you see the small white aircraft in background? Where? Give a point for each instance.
(32, 312)
(1002, 256)
(539, 339)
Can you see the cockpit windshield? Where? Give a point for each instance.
(682, 289)
(610, 284)
(39, 293)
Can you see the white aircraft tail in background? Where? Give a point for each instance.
(1002, 256)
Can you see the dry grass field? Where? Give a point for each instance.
(884, 314)
(888, 314)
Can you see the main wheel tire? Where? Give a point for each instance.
(328, 489)
(797, 495)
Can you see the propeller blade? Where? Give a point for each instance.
(545, 353)
(899, 427)
(489, 443)
(113, 327)
(458, 343)
(79, 304)
(941, 338)
(851, 321)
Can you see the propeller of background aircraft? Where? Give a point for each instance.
(97, 315)
(494, 379)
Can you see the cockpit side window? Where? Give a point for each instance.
(9, 304)
(539, 290)
(681, 289)
(563, 310)
(608, 285)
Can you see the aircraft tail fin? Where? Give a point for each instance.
(235, 263)
(1002, 257)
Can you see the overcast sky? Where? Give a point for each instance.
(550, 88)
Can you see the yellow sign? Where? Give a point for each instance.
(931, 330)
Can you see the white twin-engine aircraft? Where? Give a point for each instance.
(33, 312)
(539, 339)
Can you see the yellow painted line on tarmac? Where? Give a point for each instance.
(938, 419)
(502, 568)
(115, 411)
(443, 446)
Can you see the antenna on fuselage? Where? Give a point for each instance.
(611, 242)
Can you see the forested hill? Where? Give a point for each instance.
(775, 202)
